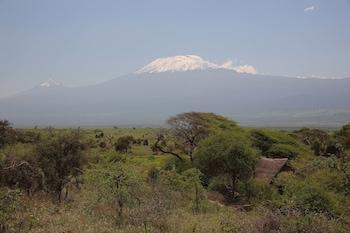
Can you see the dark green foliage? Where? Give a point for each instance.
(344, 135)
(8, 205)
(188, 183)
(276, 144)
(229, 155)
(308, 197)
(152, 176)
(321, 142)
(335, 147)
(187, 130)
(258, 191)
(7, 133)
(123, 144)
(145, 142)
(23, 174)
(281, 151)
(261, 141)
(99, 133)
(27, 136)
(60, 159)
(102, 144)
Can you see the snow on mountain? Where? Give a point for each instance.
(50, 83)
(183, 63)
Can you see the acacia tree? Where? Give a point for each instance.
(60, 160)
(186, 131)
(229, 156)
(114, 184)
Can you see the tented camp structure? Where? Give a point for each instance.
(267, 169)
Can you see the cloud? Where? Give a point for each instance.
(310, 9)
(248, 69)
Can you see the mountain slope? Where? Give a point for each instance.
(149, 98)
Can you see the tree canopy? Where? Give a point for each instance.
(187, 130)
(229, 155)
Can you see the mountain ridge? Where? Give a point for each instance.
(150, 98)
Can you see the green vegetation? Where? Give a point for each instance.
(227, 156)
(198, 175)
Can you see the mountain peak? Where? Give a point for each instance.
(177, 63)
(50, 83)
(183, 63)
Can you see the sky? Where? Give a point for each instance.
(83, 42)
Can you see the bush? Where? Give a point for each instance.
(188, 183)
(153, 175)
(113, 183)
(261, 141)
(281, 151)
(277, 144)
(24, 136)
(307, 197)
(7, 133)
(60, 159)
(258, 191)
(8, 205)
(123, 144)
(311, 223)
(19, 169)
(344, 135)
(227, 155)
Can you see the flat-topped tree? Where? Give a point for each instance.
(187, 130)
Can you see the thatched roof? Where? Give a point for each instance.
(267, 169)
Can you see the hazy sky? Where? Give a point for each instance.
(82, 42)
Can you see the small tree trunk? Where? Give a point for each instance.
(120, 212)
(196, 198)
(66, 194)
(233, 186)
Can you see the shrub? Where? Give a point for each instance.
(344, 135)
(114, 184)
(123, 144)
(311, 223)
(307, 197)
(227, 155)
(19, 168)
(7, 133)
(258, 190)
(261, 141)
(281, 151)
(60, 159)
(24, 136)
(152, 176)
(188, 183)
(8, 205)
(277, 144)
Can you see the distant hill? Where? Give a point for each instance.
(148, 98)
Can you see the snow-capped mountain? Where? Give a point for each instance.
(50, 83)
(183, 63)
(168, 86)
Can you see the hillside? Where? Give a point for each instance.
(149, 98)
